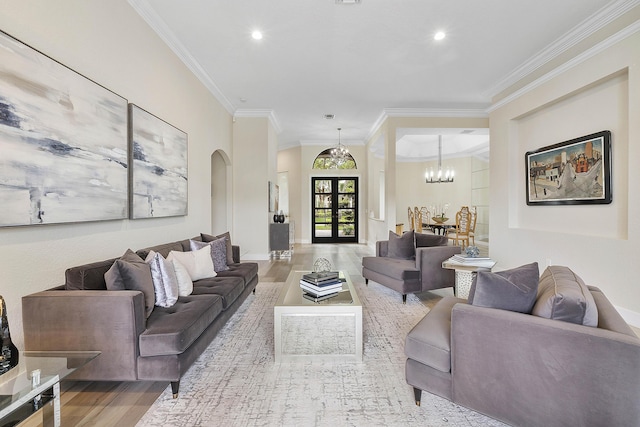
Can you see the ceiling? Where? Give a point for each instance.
(360, 61)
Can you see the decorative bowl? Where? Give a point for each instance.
(439, 219)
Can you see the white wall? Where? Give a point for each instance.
(598, 242)
(110, 44)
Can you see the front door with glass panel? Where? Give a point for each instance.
(335, 210)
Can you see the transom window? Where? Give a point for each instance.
(325, 161)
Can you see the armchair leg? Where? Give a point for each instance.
(366, 282)
(404, 298)
(417, 393)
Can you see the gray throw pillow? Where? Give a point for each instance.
(513, 290)
(218, 252)
(165, 282)
(562, 295)
(402, 247)
(130, 272)
(229, 246)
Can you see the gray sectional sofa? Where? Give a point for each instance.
(83, 315)
(571, 360)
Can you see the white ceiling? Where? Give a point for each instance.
(358, 61)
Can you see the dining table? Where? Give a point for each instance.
(439, 227)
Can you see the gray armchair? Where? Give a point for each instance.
(415, 267)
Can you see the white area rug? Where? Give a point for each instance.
(235, 382)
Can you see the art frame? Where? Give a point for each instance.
(574, 172)
(63, 139)
(274, 195)
(158, 167)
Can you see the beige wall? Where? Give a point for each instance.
(289, 162)
(599, 242)
(254, 140)
(110, 44)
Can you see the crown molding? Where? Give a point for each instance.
(260, 113)
(480, 112)
(574, 36)
(160, 27)
(584, 56)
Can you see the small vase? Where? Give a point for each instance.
(9, 353)
(275, 217)
(280, 218)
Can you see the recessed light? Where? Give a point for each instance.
(257, 35)
(439, 35)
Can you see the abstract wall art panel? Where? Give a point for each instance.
(63, 142)
(158, 156)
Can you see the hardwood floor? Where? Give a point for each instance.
(123, 404)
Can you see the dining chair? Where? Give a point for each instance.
(412, 225)
(460, 235)
(426, 219)
(417, 217)
(472, 226)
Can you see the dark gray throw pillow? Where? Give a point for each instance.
(130, 272)
(229, 247)
(402, 247)
(513, 290)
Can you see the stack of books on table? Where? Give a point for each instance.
(472, 261)
(319, 286)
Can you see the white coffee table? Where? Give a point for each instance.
(305, 330)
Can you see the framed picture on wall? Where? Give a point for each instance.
(63, 142)
(273, 196)
(573, 172)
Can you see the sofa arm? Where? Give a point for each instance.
(382, 248)
(429, 261)
(528, 370)
(236, 253)
(106, 321)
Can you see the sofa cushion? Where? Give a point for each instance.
(165, 282)
(172, 330)
(402, 247)
(88, 276)
(229, 246)
(245, 270)
(228, 288)
(401, 269)
(218, 252)
(163, 249)
(513, 290)
(198, 263)
(427, 240)
(429, 342)
(130, 272)
(562, 295)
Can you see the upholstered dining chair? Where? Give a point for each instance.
(426, 219)
(472, 226)
(412, 224)
(463, 224)
(417, 217)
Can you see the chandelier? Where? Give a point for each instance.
(339, 153)
(429, 176)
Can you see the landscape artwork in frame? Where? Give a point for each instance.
(63, 142)
(159, 161)
(571, 173)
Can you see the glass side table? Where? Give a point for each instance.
(34, 385)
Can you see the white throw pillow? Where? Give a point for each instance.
(198, 263)
(185, 285)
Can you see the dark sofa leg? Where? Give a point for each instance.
(366, 281)
(418, 395)
(175, 385)
(254, 291)
(404, 298)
